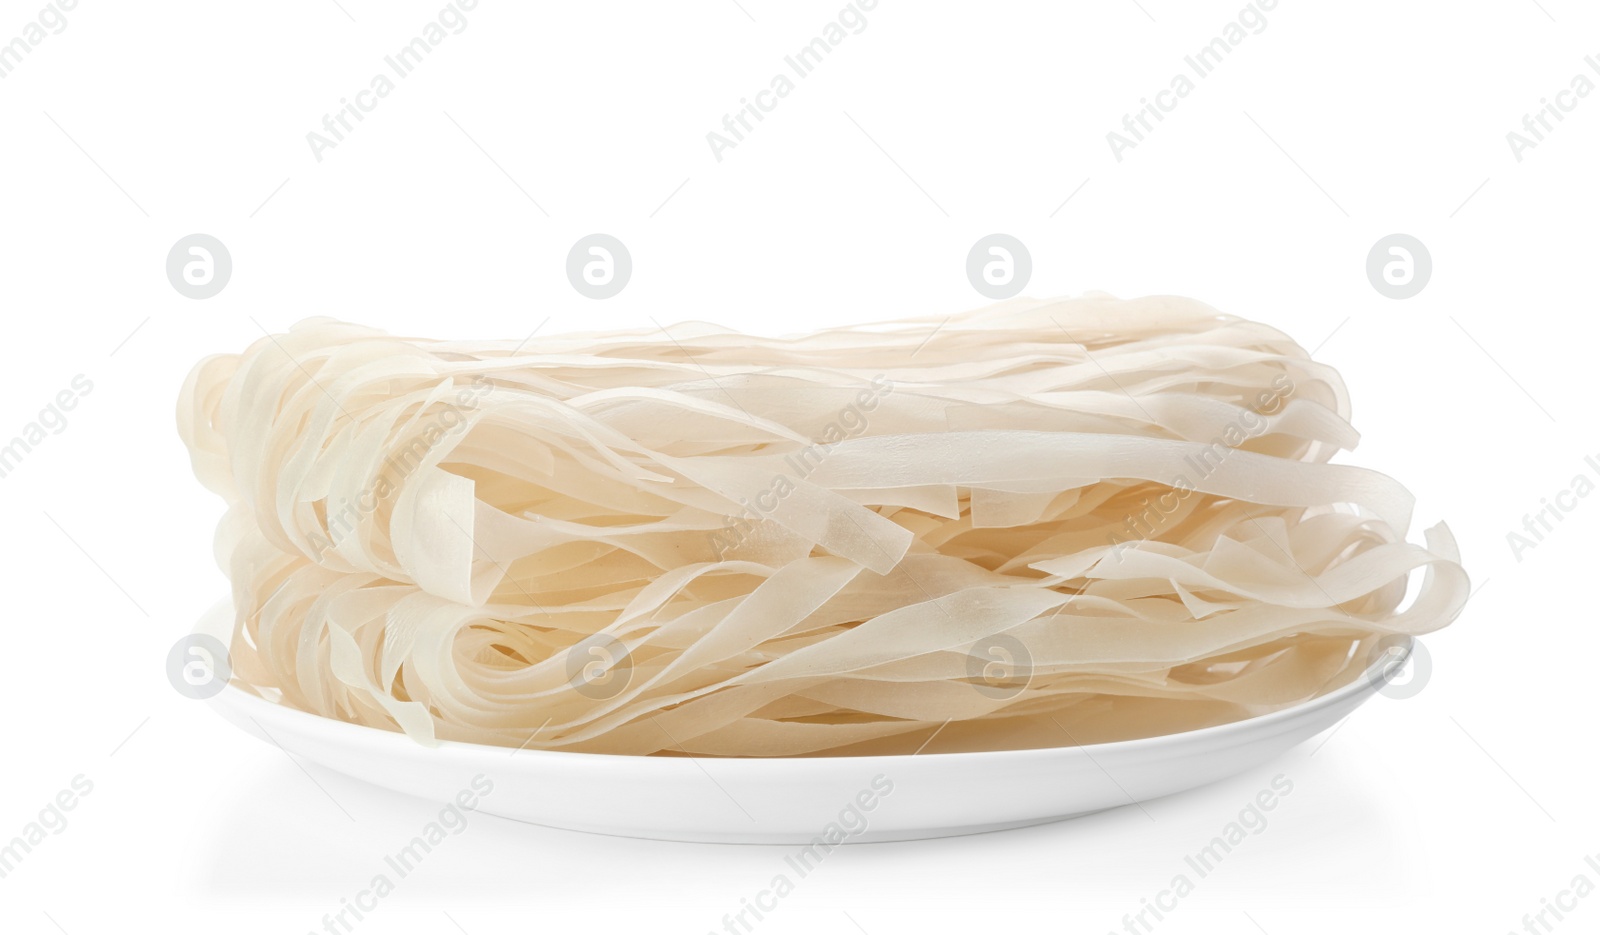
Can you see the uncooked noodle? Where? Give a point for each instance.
(1035, 524)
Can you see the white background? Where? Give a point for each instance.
(449, 212)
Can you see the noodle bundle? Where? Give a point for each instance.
(1036, 524)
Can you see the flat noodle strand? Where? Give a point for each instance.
(1036, 524)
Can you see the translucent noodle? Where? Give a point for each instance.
(1035, 524)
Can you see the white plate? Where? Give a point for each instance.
(800, 800)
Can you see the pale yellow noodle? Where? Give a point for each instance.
(1035, 524)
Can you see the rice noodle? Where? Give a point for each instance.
(1035, 524)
